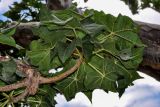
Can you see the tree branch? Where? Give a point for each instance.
(34, 79)
(23, 25)
(13, 86)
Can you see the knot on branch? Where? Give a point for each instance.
(33, 78)
(31, 82)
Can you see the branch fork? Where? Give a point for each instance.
(33, 79)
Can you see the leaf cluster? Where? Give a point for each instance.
(110, 47)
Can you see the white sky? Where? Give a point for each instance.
(4, 5)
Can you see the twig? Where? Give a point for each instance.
(13, 86)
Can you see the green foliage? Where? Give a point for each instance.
(40, 55)
(45, 97)
(6, 37)
(65, 50)
(110, 47)
(8, 71)
(73, 84)
(26, 9)
(135, 5)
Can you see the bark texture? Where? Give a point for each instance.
(150, 35)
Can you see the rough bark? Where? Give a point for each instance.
(150, 35)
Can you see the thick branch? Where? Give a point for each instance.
(24, 25)
(13, 86)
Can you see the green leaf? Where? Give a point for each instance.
(80, 34)
(37, 100)
(75, 23)
(45, 14)
(125, 54)
(44, 98)
(40, 55)
(50, 36)
(99, 74)
(93, 29)
(103, 73)
(72, 84)
(123, 23)
(110, 46)
(130, 37)
(107, 20)
(120, 39)
(88, 94)
(65, 50)
(87, 47)
(8, 70)
(9, 32)
(55, 62)
(7, 40)
(2, 83)
(135, 59)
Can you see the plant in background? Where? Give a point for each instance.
(95, 50)
(135, 5)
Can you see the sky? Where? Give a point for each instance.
(145, 92)
(4, 6)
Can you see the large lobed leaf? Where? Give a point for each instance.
(8, 71)
(72, 84)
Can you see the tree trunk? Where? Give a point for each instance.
(150, 35)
